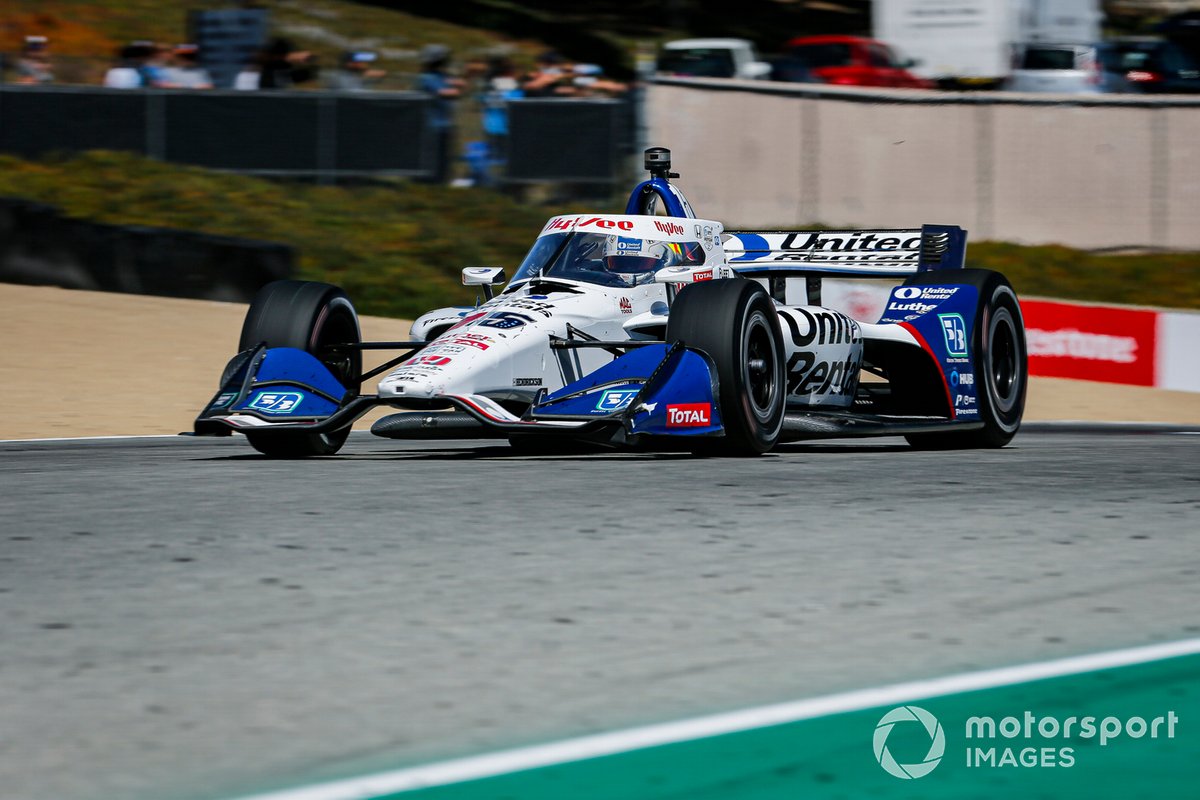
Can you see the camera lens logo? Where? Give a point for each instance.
(900, 716)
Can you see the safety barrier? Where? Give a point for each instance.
(1113, 344)
(326, 135)
(1090, 171)
(40, 246)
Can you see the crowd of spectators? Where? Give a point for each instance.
(148, 65)
(488, 84)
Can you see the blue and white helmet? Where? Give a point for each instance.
(627, 255)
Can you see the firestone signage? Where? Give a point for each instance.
(1095, 343)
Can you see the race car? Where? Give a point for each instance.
(651, 329)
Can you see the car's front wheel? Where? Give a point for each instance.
(735, 323)
(309, 316)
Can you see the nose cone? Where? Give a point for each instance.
(410, 385)
(458, 362)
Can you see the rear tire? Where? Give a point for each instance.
(308, 316)
(735, 323)
(1001, 361)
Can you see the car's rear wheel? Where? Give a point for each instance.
(309, 316)
(735, 323)
(1000, 359)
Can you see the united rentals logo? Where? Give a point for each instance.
(906, 715)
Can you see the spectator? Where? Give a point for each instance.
(354, 72)
(185, 71)
(589, 81)
(434, 81)
(552, 77)
(282, 66)
(500, 86)
(248, 78)
(124, 74)
(33, 66)
(153, 64)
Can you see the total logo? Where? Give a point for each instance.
(689, 415)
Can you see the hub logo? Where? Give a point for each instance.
(689, 415)
(616, 399)
(909, 716)
(955, 331)
(276, 402)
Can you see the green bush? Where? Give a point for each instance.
(398, 249)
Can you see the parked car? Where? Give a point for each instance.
(1061, 68)
(712, 58)
(853, 61)
(1148, 66)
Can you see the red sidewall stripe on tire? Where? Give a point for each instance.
(937, 365)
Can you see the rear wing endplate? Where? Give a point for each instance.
(879, 253)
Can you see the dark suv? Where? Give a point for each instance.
(1149, 66)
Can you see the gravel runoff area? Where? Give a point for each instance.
(78, 363)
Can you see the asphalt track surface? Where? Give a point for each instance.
(183, 619)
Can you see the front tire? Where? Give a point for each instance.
(308, 316)
(1001, 360)
(735, 323)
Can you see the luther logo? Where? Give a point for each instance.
(689, 415)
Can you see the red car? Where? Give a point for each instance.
(853, 61)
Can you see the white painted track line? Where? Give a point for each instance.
(91, 438)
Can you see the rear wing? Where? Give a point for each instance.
(881, 253)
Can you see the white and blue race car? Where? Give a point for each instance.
(651, 329)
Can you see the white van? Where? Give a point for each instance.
(712, 58)
(1062, 68)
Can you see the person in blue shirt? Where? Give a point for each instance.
(501, 85)
(444, 88)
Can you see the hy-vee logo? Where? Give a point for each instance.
(564, 223)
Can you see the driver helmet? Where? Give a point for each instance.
(631, 256)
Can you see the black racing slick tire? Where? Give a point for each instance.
(308, 316)
(734, 322)
(1001, 360)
